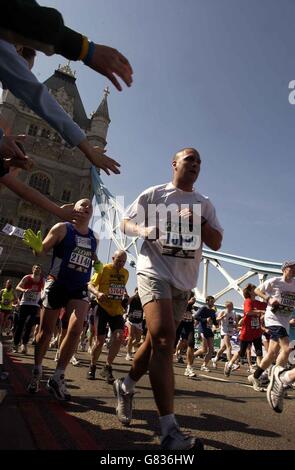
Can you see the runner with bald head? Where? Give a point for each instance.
(174, 220)
(108, 286)
(74, 249)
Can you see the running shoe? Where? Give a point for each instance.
(34, 384)
(107, 373)
(204, 368)
(74, 361)
(91, 373)
(255, 383)
(129, 357)
(58, 388)
(177, 440)
(189, 372)
(227, 369)
(214, 363)
(24, 349)
(275, 390)
(124, 405)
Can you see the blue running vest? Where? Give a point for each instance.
(72, 258)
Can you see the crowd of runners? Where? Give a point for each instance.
(84, 305)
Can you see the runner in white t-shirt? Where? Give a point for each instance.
(174, 221)
(279, 293)
(227, 319)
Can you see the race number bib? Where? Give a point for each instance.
(80, 259)
(287, 303)
(179, 241)
(116, 291)
(255, 324)
(135, 314)
(31, 296)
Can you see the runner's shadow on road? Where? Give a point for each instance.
(201, 394)
(84, 404)
(215, 423)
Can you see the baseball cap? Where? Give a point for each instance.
(287, 264)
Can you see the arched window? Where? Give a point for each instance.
(41, 182)
(45, 133)
(33, 130)
(66, 195)
(29, 222)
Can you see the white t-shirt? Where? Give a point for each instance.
(227, 323)
(284, 292)
(175, 257)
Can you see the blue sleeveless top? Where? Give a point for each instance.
(72, 258)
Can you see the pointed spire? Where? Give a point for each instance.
(66, 69)
(103, 109)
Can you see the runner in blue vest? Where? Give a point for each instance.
(74, 248)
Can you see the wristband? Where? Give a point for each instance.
(91, 49)
(84, 49)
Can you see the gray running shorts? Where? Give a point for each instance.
(151, 288)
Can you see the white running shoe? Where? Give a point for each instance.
(177, 440)
(74, 360)
(214, 363)
(53, 343)
(235, 367)
(189, 372)
(24, 349)
(227, 369)
(255, 383)
(204, 368)
(275, 390)
(129, 357)
(124, 404)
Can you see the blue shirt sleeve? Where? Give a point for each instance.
(17, 77)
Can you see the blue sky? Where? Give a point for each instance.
(212, 74)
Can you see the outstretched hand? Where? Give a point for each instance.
(33, 240)
(110, 62)
(97, 157)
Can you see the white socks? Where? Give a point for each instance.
(128, 384)
(58, 373)
(167, 422)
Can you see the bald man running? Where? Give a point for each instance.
(174, 220)
(108, 286)
(74, 249)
